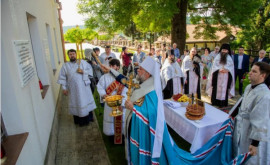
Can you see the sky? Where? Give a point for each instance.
(70, 14)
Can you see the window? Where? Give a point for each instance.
(56, 44)
(38, 54)
(49, 40)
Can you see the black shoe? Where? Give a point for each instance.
(83, 125)
(75, 119)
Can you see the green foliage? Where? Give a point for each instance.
(72, 35)
(105, 37)
(131, 31)
(111, 16)
(138, 17)
(77, 35)
(207, 32)
(213, 16)
(255, 35)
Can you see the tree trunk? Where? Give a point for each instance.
(132, 32)
(81, 51)
(155, 37)
(78, 50)
(178, 31)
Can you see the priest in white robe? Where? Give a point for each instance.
(74, 78)
(220, 86)
(252, 124)
(192, 68)
(172, 77)
(106, 86)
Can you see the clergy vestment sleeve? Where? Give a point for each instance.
(124, 93)
(86, 72)
(259, 117)
(185, 67)
(101, 86)
(62, 79)
(166, 73)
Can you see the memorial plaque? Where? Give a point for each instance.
(24, 61)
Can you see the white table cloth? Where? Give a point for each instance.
(197, 133)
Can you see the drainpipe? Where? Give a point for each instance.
(61, 28)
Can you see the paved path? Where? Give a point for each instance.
(79, 145)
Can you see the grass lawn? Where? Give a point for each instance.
(116, 153)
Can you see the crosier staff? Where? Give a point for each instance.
(104, 69)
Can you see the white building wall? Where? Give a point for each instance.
(22, 108)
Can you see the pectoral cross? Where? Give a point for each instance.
(130, 85)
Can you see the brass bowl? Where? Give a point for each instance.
(114, 102)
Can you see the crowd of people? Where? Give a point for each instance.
(163, 73)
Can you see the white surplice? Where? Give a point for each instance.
(172, 71)
(253, 123)
(81, 100)
(222, 79)
(108, 121)
(187, 65)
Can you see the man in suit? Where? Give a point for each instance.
(241, 67)
(261, 57)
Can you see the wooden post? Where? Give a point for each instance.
(81, 51)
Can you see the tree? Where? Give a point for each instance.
(78, 36)
(256, 35)
(158, 16)
(105, 37)
(131, 31)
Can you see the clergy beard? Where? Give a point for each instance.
(172, 60)
(72, 59)
(223, 58)
(141, 78)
